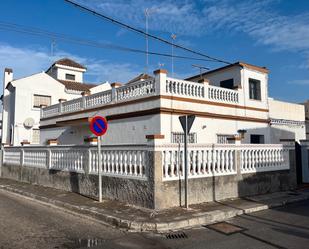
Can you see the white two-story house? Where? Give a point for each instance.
(230, 103)
(23, 98)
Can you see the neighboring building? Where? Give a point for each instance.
(23, 98)
(230, 103)
(306, 104)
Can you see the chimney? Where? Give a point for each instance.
(8, 77)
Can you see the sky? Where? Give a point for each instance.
(271, 33)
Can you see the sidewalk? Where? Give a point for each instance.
(128, 217)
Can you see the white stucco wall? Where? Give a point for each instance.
(100, 88)
(207, 129)
(229, 73)
(61, 72)
(287, 112)
(122, 131)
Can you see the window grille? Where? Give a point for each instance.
(178, 137)
(39, 100)
(35, 136)
(223, 138)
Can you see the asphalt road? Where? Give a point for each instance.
(28, 224)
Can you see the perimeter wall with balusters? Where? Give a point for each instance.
(152, 175)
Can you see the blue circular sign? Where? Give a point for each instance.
(98, 125)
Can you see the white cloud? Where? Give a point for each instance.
(304, 82)
(259, 19)
(27, 61)
(180, 17)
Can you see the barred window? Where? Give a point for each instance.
(178, 137)
(39, 100)
(223, 138)
(36, 136)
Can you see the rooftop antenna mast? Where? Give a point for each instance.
(173, 36)
(201, 68)
(147, 12)
(52, 47)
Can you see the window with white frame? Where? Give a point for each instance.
(36, 136)
(39, 100)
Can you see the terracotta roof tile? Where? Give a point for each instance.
(142, 76)
(77, 86)
(68, 62)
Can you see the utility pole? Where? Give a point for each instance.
(173, 36)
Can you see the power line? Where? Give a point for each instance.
(70, 39)
(139, 31)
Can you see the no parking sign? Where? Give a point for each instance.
(98, 126)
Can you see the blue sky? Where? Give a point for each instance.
(271, 33)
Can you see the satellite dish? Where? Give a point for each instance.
(29, 122)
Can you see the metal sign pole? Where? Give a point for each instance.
(186, 162)
(100, 168)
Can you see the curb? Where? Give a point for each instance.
(205, 218)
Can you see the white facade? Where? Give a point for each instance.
(149, 109)
(287, 120)
(21, 113)
(60, 72)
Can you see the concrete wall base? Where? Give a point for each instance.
(135, 192)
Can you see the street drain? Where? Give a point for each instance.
(180, 235)
(292, 193)
(225, 228)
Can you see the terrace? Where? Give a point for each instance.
(159, 86)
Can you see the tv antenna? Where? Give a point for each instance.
(173, 36)
(147, 12)
(52, 47)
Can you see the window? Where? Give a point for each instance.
(178, 137)
(223, 138)
(255, 89)
(35, 136)
(256, 139)
(69, 76)
(39, 100)
(227, 83)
